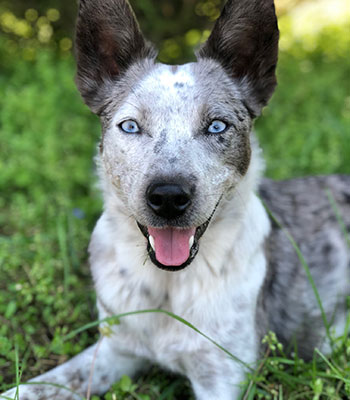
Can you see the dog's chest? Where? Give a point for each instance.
(217, 313)
(220, 303)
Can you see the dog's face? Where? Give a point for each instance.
(175, 138)
(172, 148)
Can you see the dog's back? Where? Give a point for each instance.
(316, 213)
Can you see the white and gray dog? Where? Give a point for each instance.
(184, 228)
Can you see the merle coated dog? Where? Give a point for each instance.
(184, 228)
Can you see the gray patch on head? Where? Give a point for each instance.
(226, 98)
(160, 142)
(239, 153)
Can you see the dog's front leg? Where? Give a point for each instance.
(93, 370)
(214, 377)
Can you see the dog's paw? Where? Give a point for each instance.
(38, 392)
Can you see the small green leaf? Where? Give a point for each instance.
(11, 309)
(125, 384)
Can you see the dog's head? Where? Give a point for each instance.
(176, 139)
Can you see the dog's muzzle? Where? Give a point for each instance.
(171, 248)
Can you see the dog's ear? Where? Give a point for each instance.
(245, 42)
(108, 41)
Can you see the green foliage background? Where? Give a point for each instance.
(48, 201)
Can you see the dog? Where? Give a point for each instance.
(189, 226)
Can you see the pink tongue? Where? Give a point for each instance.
(172, 244)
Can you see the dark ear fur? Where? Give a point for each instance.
(108, 41)
(245, 42)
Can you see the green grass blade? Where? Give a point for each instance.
(62, 241)
(115, 318)
(18, 373)
(335, 370)
(251, 393)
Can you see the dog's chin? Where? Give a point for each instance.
(199, 231)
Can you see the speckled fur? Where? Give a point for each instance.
(246, 277)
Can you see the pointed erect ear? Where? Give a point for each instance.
(245, 42)
(108, 41)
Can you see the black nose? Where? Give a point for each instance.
(168, 200)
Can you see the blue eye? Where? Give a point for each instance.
(130, 126)
(217, 127)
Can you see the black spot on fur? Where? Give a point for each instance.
(173, 160)
(145, 291)
(327, 249)
(158, 147)
(193, 179)
(179, 85)
(239, 116)
(346, 197)
(221, 139)
(223, 270)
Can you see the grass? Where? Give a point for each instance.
(49, 205)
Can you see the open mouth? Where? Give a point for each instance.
(173, 248)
